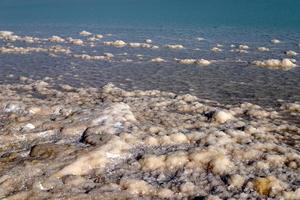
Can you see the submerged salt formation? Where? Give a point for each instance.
(174, 46)
(189, 61)
(61, 142)
(158, 60)
(117, 43)
(284, 64)
(263, 49)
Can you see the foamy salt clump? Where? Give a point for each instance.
(85, 33)
(291, 53)
(187, 61)
(117, 43)
(263, 49)
(149, 41)
(244, 47)
(98, 36)
(175, 46)
(56, 39)
(76, 143)
(275, 41)
(76, 41)
(284, 64)
(106, 57)
(222, 116)
(4, 34)
(216, 49)
(140, 45)
(203, 62)
(158, 60)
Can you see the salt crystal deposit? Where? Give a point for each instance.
(103, 143)
(284, 64)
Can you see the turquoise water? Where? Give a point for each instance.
(275, 14)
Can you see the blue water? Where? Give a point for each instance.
(274, 14)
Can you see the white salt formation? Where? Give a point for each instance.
(263, 49)
(216, 49)
(158, 60)
(85, 33)
(187, 61)
(175, 46)
(275, 41)
(98, 36)
(284, 64)
(291, 53)
(117, 43)
(140, 45)
(108, 143)
(203, 62)
(55, 38)
(76, 41)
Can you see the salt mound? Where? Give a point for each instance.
(216, 49)
(222, 116)
(203, 62)
(98, 36)
(158, 60)
(5, 33)
(187, 61)
(175, 46)
(275, 41)
(139, 45)
(244, 47)
(85, 33)
(284, 64)
(117, 43)
(55, 38)
(76, 41)
(263, 49)
(291, 53)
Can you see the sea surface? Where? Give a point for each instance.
(231, 79)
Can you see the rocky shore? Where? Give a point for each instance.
(61, 142)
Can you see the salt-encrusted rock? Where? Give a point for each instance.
(14, 107)
(291, 53)
(114, 150)
(74, 129)
(222, 116)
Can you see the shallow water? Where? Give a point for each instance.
(231, 79)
